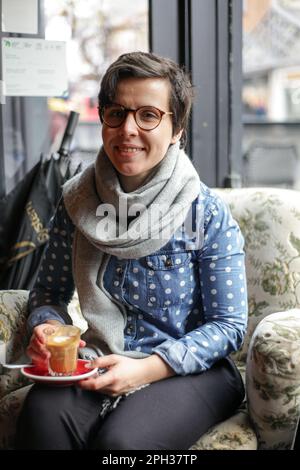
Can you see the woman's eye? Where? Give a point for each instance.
(149, 115)
(115, 113)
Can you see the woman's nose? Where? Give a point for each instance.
(129, 126)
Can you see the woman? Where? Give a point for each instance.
(158, 264)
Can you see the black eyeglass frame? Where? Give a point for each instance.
(129, 110)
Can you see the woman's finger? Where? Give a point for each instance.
(97, 382)
(38, 351)
(103, 361)
(39, 331)
(36, 358)
(38, 347)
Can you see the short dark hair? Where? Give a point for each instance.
(149, 65)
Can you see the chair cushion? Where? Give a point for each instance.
(236, 433)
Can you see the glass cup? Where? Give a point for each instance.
(62, 342)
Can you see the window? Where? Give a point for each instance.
(97, 32)
(206, 37)
(271, 92)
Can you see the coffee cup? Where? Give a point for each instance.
(62, 342)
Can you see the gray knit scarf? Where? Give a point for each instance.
(95, 202)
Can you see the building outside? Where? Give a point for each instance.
(271, 92)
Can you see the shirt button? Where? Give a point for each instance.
(130, 329)
(168, 262)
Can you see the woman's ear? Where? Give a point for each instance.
(176, 137)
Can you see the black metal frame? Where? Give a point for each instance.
(206, 37)
(2, 169)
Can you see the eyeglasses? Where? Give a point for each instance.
(146, 117)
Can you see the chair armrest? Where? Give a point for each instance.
(13, 313)
(273, 379)
(13, 337)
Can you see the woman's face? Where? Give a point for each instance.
(135, 152)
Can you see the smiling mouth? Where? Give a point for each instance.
(130, 149)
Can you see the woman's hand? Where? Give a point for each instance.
(37, 350)
(125, 374)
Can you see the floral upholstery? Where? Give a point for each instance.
(236, 433)
(273, 375)
(269, 359)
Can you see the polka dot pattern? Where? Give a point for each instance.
(54, 285)
(188, 306)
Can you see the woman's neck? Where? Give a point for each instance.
(131, 183)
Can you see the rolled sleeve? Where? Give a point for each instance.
(41, 315)
(180, 357)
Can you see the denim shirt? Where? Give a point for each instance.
(187, 306)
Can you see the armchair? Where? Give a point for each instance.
(270, 356)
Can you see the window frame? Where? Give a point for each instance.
(176, 29)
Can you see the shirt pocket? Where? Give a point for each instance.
(168, 279)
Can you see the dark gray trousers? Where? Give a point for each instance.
(170, 414)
